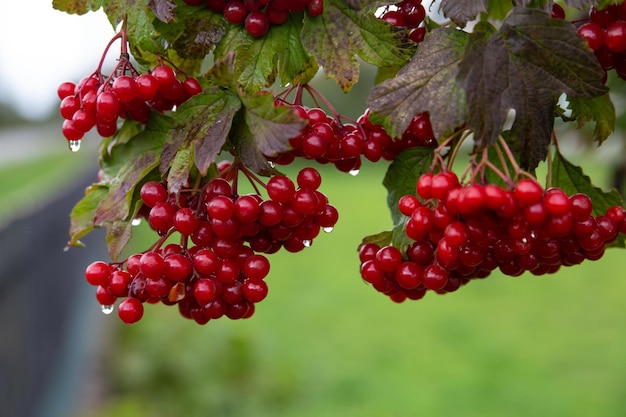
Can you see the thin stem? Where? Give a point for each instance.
(502, 159)
(549, 174)
(106, 50)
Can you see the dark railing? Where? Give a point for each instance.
(50, 326)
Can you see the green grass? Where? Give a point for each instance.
(25, 185)
(325, 344)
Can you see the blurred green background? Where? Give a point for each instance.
(324, 343)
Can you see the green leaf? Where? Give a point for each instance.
(258, 61)
(400, 180)
(427, 83)
(243, 142)
(140, 30)
(201, 123)
(83, 213)
(180, 169)
(498, 9)
(402, 175)
(119, 233)
(346, 31)
(271, 126)
(77, 6)
(193, 33)
(462, 11)
(525, 66)
(381, 239)
(571, 179)
(126, 165)
(598, 109)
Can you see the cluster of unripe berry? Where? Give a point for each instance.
(327, 140)
(99, 101)
(219, 268)
(463, 232)
(408, 14)
(258, 15)
(605, 32)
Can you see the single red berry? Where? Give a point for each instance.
(107, 106)
(615, 36)
(257, 24)
(147, 86)
(97, 273)
(254, 290)
(151, 264)
(205, 291)
(256, 267)
(152, 192)
(185, 221)
(528, 192)
(435, 277)
(66, 89)
(130, 310)
(309, 178)
(593, 34)
(125, 88)
(388, 258)
(280, 189)
(192, 86)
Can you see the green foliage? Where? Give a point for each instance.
(467, 77)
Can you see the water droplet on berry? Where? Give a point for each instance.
(307, 243)
(74, 145)
(136, 222)
(354, 172)
(328, 229)
(107, 309)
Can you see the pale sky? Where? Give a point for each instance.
(41, 47)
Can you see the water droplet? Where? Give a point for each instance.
(354, 172)
(74, 145)
(136, 222)
(328, 229)
(107, 309)
(307, 243)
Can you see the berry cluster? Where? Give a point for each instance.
(409, 14)
(605, 32)
(327, 140)
(463, 232)
(98, 101)
(258, 15)
(218, 269)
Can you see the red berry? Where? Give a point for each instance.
(152, 192)
(257, 24)
(97, 273)
(130, 310)
(615, 36)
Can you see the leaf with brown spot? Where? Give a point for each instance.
(462, 11)
(427, 83)
(77, 6)
(342, 33)
(201, 123)
(163, 10)
(126, 165)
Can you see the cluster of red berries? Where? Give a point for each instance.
(463, 232)
(408, 14)
(218, 269)
(258, 15)
(327, 140)
(98, 101)
(605, 32)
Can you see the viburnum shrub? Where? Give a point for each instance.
(209, 95)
